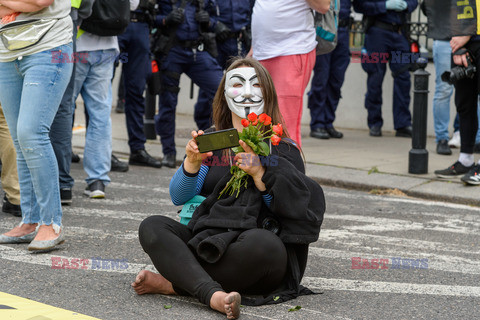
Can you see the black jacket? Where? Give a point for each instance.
(298, 205)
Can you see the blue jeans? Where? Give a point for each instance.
(93, 79)
(443, 91)
(31, 89)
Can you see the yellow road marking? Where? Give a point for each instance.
(18, 308)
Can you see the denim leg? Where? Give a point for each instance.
(96, 91)
(30, 91)
(443, 91)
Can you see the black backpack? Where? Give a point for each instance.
(109, 18)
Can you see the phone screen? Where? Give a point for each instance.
(218, 140)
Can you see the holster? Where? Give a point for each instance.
(210, 43)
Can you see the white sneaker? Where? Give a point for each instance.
(455, 141)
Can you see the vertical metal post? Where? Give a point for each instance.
(418, 155)
(149, 122)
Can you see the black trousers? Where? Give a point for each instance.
(466, 101)
(255, 263)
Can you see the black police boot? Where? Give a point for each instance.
(117, 165)
(142, 158)
(404, 132)
(375, 131)
(319, 133)
(334, 133)
(169, 160)
(13, 209)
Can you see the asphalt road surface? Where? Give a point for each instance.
(378, 256)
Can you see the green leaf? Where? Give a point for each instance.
(295, 309)
(167, 306)
(373, 170)
(276, 298)
(252, 145)
(238, 149)
(264, 150)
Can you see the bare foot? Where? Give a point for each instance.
(46, 233)
(25, 229)
(149, 282)
(227, 303)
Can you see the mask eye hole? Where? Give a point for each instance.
(237, 85)
(257, 85)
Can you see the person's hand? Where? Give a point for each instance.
(222, 32)
(175, 17)
(397, 5)
(250, 53)
(458, 42)
(194, 157)
(203, 19)
(249, 162)
(460, 59)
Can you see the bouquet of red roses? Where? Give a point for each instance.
(254, 137)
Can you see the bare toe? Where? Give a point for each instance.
(232, 305)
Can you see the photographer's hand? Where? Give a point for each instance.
(249, 162)
(194, 158)
(458, 42)
(460, 60)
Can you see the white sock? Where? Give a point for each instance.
(466, 159)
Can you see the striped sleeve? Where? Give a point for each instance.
(184, 186)
(267, 198)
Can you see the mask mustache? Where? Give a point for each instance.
(247, 100)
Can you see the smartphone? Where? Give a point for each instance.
(218, 140)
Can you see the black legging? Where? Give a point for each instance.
(255, 263)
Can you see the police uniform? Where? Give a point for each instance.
(188, 55)
(236, 15)
(327, 80)
(134, 42)
(386, 36)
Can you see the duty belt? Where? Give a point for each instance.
(388, 26)
(137, 17)
(191, 44)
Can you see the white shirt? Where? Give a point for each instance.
(282, 28)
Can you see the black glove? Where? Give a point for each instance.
(203, 19)
(175, 17)
(222, 32)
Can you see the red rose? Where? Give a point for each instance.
(262, 117)
(278, 129)
(252, 116)
(268, 121)
(275, 140)
(254, 123)
(245, 123)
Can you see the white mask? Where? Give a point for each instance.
(243, 92)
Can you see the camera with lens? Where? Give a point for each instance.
(271, 224)
(460, 72)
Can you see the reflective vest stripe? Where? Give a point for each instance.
(76, 3)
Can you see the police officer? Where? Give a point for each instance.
(386, 34)
(233, 37)
(135, 43)
(328, 77)
(187, 28)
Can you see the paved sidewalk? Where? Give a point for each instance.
(358, 161)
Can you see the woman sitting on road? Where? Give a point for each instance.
(256, 243)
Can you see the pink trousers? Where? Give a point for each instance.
(290, 76)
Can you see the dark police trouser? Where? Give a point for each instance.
(255, 263)
(61, 128)
(328, 77)
(383, 41)
(205, 73)
(135, 42)
(466, 101)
